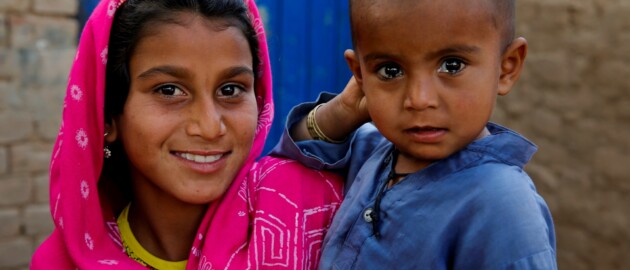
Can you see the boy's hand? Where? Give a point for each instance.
(352, 103)
(339, 117)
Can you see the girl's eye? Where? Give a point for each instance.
(390, 71)
(170, 90)
(230, 90)
(452, 66)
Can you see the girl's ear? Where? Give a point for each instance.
(353, 63)
(111, 132)
(512, 62)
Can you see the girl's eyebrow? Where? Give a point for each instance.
(236, 71)
(175, 71)
(180, 72)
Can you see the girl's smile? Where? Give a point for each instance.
(199, 158)
(203, 163)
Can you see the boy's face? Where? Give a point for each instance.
(431, 71)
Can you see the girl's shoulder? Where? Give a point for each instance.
(291, 209)
(277, 179)
(52, 253)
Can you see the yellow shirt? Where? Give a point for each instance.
(137, 252)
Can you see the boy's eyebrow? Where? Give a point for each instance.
(458, 48)
(376, 56)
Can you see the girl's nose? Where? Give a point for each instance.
(205, 120)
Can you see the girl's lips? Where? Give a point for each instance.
(426, 134)
(199, 158)
(203, 163)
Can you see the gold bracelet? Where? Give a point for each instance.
(314, 130)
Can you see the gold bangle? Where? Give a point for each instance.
(314, 130)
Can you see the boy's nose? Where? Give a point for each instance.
(205, 120)
(421, 95)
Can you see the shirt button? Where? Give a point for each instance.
(367, 215)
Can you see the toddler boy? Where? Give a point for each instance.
(431, 184)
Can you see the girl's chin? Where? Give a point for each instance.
(200, 197)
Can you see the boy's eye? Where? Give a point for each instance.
(230, 90)
(170, 90)
(452, 66)
(390, 71)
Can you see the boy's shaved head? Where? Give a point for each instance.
(503, 15)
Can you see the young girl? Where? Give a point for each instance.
(155, 163)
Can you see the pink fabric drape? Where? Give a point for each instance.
(274, 215)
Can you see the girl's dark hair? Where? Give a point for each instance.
(134, 20)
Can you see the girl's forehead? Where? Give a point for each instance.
(185, 19)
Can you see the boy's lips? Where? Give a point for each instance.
(426, 134)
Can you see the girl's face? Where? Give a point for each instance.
(190, 118)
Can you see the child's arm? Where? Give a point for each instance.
(336, 118)
(341, 118)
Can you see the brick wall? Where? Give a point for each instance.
(573, 101)
(37, 45)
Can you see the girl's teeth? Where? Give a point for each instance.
(200, 159)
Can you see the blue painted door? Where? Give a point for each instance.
(306, 42)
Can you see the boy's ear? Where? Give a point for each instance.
(353, 63)
(512, 62)
(111, 132)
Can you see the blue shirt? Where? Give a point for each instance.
(476, 209)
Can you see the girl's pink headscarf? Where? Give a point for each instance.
(233, 232)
